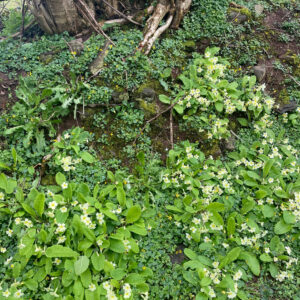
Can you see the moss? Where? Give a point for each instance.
(243, 11)
(48, 180)
(153, 84)
(149, 108)
(284, 97)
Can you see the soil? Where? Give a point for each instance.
(7, 91)
(178, 257)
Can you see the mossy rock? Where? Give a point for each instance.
(190, 45)
(152, 84)
(149, 108)
(239, 15)
(48, 180)
(284, 97)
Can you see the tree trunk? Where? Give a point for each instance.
(57, 16)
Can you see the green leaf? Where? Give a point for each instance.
(282, 194)
(81, 265)
(117, 246)
(251, 261)
(247, 205)
(60, 178)
(164, 99)
(216, 207)
(39, 204)
(121, 195)
(118, 274)
(87, 157)
(260, 194)
(134, 279)
(289, 217)
(138, 229)
(281, 227)
(231, 256)
(179, 109)
(206, 281)
(230, 226)
(86, 278)
(190, 254)
(98, 261)
(133, 214)
(265, 257)
(60, 251)
(31, 284)
(243, 121)
(219, 106)
(267, 167)
(268, 211)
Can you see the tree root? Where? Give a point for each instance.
(174, 10)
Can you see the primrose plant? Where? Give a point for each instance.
(206, 99)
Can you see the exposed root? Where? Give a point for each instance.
(175, 11)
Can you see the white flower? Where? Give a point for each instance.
(57, 261)
(92, 287)
(61, 239)
(2, 249)
(66, 135)
(231, 295)
(6, 294)
(52, 204)
(188, 236)
(238, 275)
(18, 294)
(106, 285)
(64, 185)
(18, 221)
(215, 264)
(1, 196)
(267, 250)
(99, 243)
(63, 209)
(9, 232)
(60, 228)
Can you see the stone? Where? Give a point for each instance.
(260, 72)
(239, 15)
(119, 97)
(258, 8)
(76, 46)
(148, 94)
(229, 143)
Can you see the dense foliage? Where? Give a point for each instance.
(102, 208)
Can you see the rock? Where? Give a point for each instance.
(148, 94)
(119, 97)
(260, 72)
(239, 15)
(98, 63)
(149, 109)
(76, 46)
(258, 8)
(229, 143)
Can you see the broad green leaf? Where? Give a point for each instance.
(87, 157)
(230, 226)
(206, 281)
(133, 214)
(81, 264)
(116, 246)
(134, 279)
(190, 254)
(60, 251)
(164, 99)
(267, 167)
(251, 261)
(98, 261)
(31, 284)
(289, 217)
(138, 229)
(219, 106)
(231, 256)
(281, 194)
(247, 205)
(118, 274)
(260, 194)
(243, 121)
(268, 211)
(39, 204)
(60, 178)
(281, 227)
(216, 207)
(121, 195)
(265, 257)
